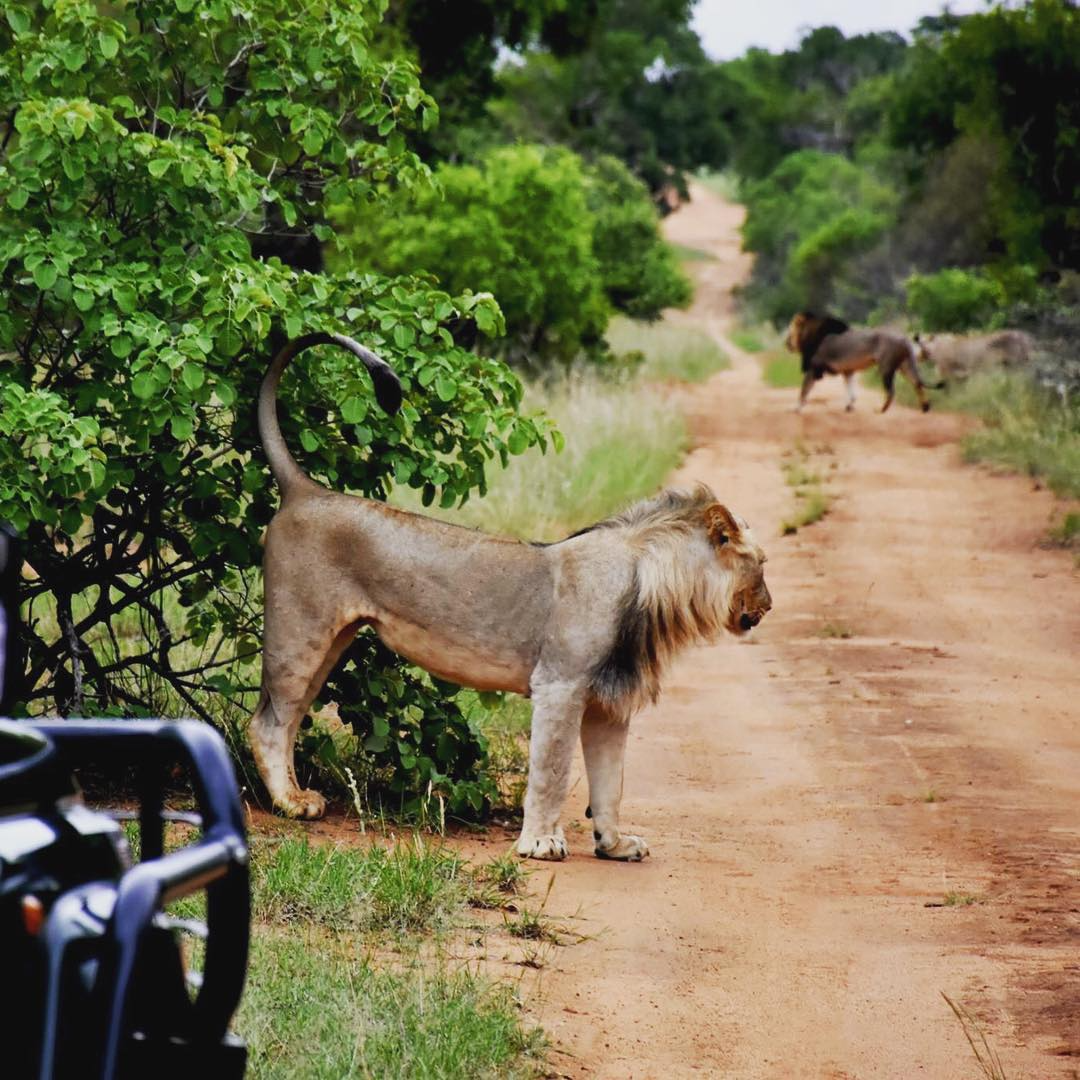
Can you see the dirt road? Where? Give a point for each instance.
(842, 827)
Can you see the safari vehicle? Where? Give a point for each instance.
(94, 981)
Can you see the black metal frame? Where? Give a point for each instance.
(113, 985)
(217, 863)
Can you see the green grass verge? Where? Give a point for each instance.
(691, 254)
(748, 340)
(405, 887)
(316, 1009)
(725, 183)
(811, 500)
(321, 1000)
(667, 352)
(1026, 429)
(782, 370)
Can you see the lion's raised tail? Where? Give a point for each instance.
(283, 465)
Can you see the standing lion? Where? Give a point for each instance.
(586, 627)
(828, 346)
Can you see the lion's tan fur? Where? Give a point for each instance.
(585, 626)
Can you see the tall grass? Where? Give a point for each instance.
(621, 442)
(668, 351)
(1026, 429)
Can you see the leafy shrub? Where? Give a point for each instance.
(149, 150)
(517, 225)
(807, 221)
(954, 300)
(640, 274)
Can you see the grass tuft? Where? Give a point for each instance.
(782, 370)
(408, 886)
(985, 1056)
(748, 340)
(315, 1010)
(838, 631)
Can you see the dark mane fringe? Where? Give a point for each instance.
(820, 328)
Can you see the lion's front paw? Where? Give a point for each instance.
(551, 846)
(305, 804)
(627, 849)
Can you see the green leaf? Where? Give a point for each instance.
(121, 346)
(18, 20)
(353, 409)
(18, 198)
(126, 298)
(144, 386)
(192, 375)
(158, 167)
(181, 427)
(446, 388)
(72, 56)
(74, 168)
(107, 44)
(309, 440)
(45, 275)
(518, 442)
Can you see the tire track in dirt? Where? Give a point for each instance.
(806, 797)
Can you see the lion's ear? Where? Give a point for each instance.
(720, 525)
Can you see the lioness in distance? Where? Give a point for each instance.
(829, 346)
(585, 626)
(959, 356)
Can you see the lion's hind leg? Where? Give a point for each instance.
(603, 740)
(293, 674)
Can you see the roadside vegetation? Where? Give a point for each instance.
(352, 971)
(855, 161)
(1026, 427)
(807, 483)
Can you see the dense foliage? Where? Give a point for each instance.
(631, 81)
(150, 152)
(559, 243)
(955, 160)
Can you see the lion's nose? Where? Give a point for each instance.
(748, 621)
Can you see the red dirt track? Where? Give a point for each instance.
(810, 800)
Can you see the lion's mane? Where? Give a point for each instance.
(811, 330)
(670, 603)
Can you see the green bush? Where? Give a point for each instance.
(640, 273)
(516, 225)
(806, 222)
(954, 300)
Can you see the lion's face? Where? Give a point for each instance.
(742, 559)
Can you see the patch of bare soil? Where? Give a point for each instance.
(873, 800)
